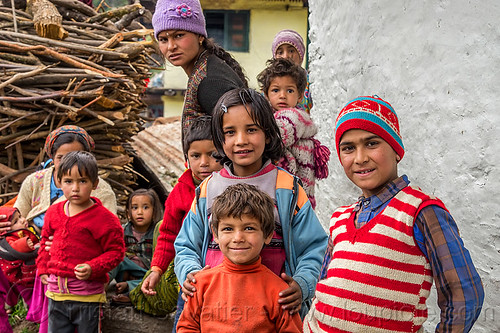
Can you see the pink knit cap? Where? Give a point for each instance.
(289, 37)
(186, 15)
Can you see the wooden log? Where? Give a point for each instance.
(42, 50)
(17, 58)
(76, 5)
(33, 98)
(47, 20)
(114, 13)
(86, 49)
(127, 19)
(22, 75)
(120, 160)
(90, 25)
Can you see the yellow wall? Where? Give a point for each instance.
(264, 24)
(172, 105)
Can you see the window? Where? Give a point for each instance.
(229, 28)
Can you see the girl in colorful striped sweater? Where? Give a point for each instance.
(283, 84)
(386, 249)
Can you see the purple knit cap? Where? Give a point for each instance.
(289, 37)
(185, 15)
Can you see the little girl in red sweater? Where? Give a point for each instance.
(88, 243)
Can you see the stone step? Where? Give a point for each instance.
(125, 319)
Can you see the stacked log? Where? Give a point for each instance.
(91, 72)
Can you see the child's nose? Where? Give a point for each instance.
(204, 160)
(238, 236)
(361, 156)
(241, 138)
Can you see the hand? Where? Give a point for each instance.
(44, 278)
(121, 287)
(48, 243)
(24, 222)
(188, 288)
(83, 271)
(4, 226)
(291, 297)
(150, 283)
(29, 242)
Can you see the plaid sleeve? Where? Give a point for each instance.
(459, 287)
(327, 259)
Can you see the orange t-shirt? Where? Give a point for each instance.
(237, 298)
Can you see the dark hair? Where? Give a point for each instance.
(85, 161)
(155, 201)
(69, 138)
(243, 198)
(199, 129)
(217, 50)
(282, 67)
(259, 110)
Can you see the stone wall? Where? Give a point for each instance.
(438, 64)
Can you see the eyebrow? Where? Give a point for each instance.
(371, 137)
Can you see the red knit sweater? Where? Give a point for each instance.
(176, 207)
(94, 237)
(237, 298)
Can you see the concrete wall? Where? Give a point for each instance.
(438, 64)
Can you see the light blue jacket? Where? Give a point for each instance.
(304, 238)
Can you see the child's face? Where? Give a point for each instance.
(245, 141)
(201, 158)
(288, 51)
(283, 93)
(241, 239)
(76, 187)
(368, 161)
(18, 222)
(63, 150)
(141, 212)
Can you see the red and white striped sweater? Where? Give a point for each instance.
(378, 279)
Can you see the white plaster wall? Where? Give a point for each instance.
(438, 64)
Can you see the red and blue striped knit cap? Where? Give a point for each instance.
(372, 114)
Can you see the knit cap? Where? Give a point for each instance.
(289, 37)
(184, 15)
(52, 137)
(372, 114)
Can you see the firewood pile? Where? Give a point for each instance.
(64, 63)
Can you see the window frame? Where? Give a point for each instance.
(227, 45)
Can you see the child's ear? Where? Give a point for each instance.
(301, 97)
(268, 239)
(216, 239)
(95, 184)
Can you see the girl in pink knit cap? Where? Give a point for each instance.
(179, 27)
(283, 83)
(290, 45)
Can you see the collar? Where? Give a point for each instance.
(227, 170)
(387, 193)
(232, 267)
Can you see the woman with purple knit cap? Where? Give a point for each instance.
(179, 27)
(289, 44)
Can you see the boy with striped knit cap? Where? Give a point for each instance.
(387, 248)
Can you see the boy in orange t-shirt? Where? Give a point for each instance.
(240, 294)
